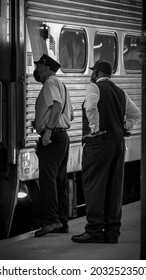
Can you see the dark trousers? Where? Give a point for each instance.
(53, 178)
(102, 177)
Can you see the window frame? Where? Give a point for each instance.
(137, 35)
(114, 34)
(75, 29)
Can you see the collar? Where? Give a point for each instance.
(103, 79)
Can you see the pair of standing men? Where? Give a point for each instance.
(108, 112)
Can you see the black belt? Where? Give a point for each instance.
(55, 129)
(59, 129)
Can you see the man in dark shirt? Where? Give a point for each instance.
(108, 113)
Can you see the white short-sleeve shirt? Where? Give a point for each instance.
(52, 90)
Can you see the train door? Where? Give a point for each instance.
(11, 105)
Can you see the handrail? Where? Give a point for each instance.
(12, 123)
(0, 111)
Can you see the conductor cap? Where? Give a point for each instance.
(48, 61)
(103, 66)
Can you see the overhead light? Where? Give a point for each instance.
(23, 191)
(97, 46)
(125, 49)
(133, 42)
(46, 31)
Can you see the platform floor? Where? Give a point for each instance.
(60, 247)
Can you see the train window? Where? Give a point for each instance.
(72, 50)
(131, 53)
(105, 48)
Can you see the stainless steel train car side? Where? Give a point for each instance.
(72, 32)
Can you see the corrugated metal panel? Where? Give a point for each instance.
(90, 12)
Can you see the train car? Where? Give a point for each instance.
(76, 34)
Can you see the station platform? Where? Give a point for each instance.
(60, 246)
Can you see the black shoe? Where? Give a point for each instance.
(47, 229)
(111, 240)
(111, 236)
(63, 229)
(88, 238)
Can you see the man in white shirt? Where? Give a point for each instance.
(108, 112)
(53, 116)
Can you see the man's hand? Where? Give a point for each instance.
(91, 135)
(46, 137)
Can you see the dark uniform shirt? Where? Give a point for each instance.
(92, 97)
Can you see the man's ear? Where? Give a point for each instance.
(94, 76)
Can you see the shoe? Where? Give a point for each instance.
(87, 238)
(63, 229)
(111, 240)
(111, 236)
(47, 229)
